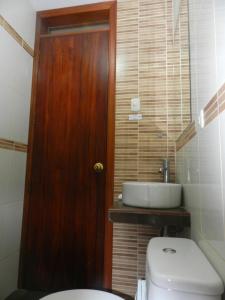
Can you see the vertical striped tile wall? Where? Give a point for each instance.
(153, 65)
(129, 250)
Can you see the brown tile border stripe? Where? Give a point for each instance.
(215, 106)
(186, 136)
(12, 145)
(16, 36)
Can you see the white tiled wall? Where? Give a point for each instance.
(220, 40)
(15, 85)
(15, 90)
(20, 15)
(201, 163)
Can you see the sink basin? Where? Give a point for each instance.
(152, 194)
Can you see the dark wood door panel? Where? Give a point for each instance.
(64, 243)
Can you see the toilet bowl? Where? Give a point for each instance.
(82, 295)
(176, 269)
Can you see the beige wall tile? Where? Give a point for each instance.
(149, 64)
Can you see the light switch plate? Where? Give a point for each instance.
(135, 117)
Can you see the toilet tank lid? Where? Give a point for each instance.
(179, 264)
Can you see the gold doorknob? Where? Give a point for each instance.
(98, 167)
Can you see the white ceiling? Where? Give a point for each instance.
(50, 4)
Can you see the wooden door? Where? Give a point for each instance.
(63, 243)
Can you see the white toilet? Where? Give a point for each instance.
(176, 269)
(82, 295)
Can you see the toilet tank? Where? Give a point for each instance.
(177, 269)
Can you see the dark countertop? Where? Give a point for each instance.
(120, 213)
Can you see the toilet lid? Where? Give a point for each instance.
(179, 264)
(82, 295)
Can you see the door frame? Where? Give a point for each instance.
(91, 14)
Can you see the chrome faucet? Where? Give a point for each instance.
(165, 170)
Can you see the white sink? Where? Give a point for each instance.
(152, 194)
